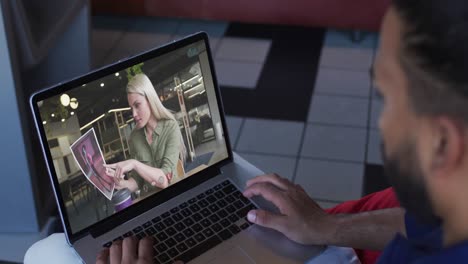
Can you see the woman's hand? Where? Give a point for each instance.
(118, 170)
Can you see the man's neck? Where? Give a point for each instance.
(455, 228)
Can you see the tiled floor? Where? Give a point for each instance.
(325, 145)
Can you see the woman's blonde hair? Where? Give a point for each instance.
(141, 84)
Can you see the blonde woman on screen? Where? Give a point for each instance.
(156, 143)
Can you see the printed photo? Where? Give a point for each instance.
(89, 158)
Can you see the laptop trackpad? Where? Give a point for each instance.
(234, 255)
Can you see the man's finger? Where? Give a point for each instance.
(129, 250)
(110, 166)
(103, 256)
(115, 252)
(268, 191)
(270, 178)
(145, 249)
(267, 219)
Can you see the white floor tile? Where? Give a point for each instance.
(234, 125)
(374, 155)
(238, 74)
(339, 110)
(270, 137)
(342, 82)
(335, 143)
(283, 166)
(243, 49)
(330, 180)
(347, 58)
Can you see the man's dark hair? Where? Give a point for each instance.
(434, 55)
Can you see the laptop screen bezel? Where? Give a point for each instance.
(121, 217)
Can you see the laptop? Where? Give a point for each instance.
(199, 216)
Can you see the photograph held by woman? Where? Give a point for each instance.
(156, 144)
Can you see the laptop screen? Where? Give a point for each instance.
(122, 138)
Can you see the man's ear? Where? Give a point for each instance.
(449, 145)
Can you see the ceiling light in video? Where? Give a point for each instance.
(117, 74)
(63, 120)
(74, 103)
(52, 115)
(44, 122)
(102, 84)
(72, 113)
(65, 99)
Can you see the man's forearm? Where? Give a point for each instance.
(368, 230)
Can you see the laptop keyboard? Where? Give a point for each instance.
(196, 225)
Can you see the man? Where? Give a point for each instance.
(422, 73)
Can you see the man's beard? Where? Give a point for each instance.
(405, 175)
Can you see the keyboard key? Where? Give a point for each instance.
(234, 229)
(230, 199)
(170, 242)
(210, 191)
(225, 223)
(138, 229)
(214, 218)
(233, 218)
(163, 258)
(191, 242)
(218, 187)
(156, 219)
(171, 231)
(141, 235)
(219, 194)
(177, 217)
(222, 203)
(195, 208)
(237, 194)
(243, 212)
(188, 232)
(205, 222)
(179, 237)
(168, 221)
(147, 224)
(229, 189)
(174, 210)
(208, 232)
(244, 226)
(230, 208)
(108, 244)
(222, 213)
(181, 247)
(173, 252)
(201, 196)
(197, 227)
(166, 215)
(183, 205)
(205, 212)
(128, 234)
(239, 204)
(186, 212)
(214, 208)
(203, 203)
(192, 201)
(200, 237)
(150, 231)
(197, 217)
(216, 227)
(161, 247)
(199, 249)
(245, 200)
(159, 226)
(188, 221)
(117, 239)
(225, 234)
(226, 182)
(211, 199)
(161, 236)
(179, 226)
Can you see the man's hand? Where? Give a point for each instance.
(128, 251)
(300, 219)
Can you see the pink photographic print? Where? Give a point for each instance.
(88, 156)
